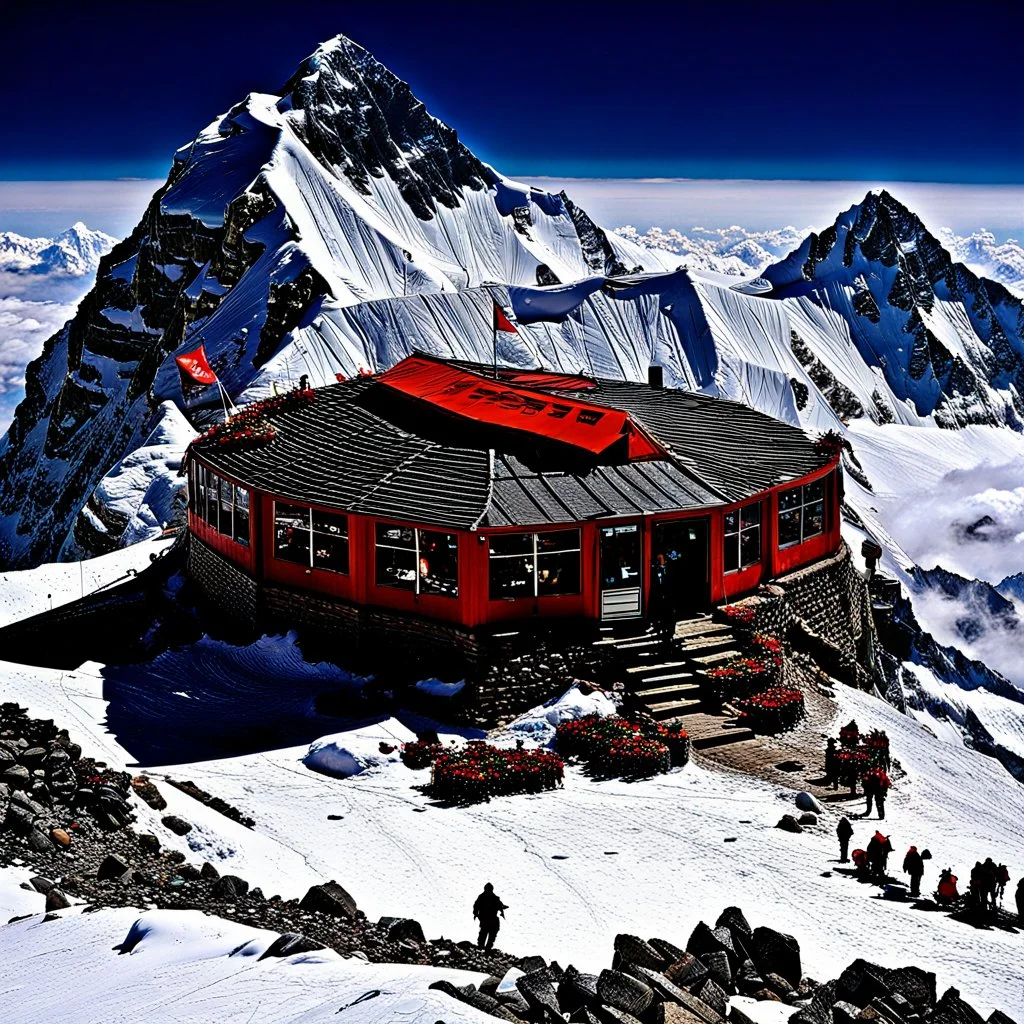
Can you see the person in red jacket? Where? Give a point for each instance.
(947, 887)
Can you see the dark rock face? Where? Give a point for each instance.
(329, 898)
(776, 953)
(897, 273)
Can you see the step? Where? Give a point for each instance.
(724, 738)
(633, 669)
(634, 644)
(699, 627)
(666, 677)
(687, 691)
(614, 639)
(707, 660)
(704, 645)
(674, 709)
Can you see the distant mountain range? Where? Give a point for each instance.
(73, 253)
(737, 251)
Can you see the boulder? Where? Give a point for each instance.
(699, 1009)
(766, 995)
(672, 1013)
(529, 964)
(706, 940)
(33, 757)
(402, 929)
(747, 978)
(38, 840)
(112, 868)
(613, 1015)
(776, 953)
(145, 787)
(844, 1012)
(179, 826)
(624, 992)
(288, 943)
(663, 988)
(478, 1000)
(998, 1017)
(229, 887)
(576, 989)
(789, 824)
(686, 971)
(329, 898)
(672, 953)
(808, 818)
(56, 900)
(149, 843)
(737, 1016)
(734, 919)
(634, 950)
(59, 837)
(538, 989)
(719, 968)
(778, 984)
(819, 1009)
(209, 872)
(808, 802)
(584, 1016)
(714, 995)
(41, 884)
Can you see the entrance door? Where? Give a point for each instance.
(680, 570)
(621, 571)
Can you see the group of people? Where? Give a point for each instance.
(987, 885)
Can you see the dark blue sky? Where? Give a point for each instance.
(893, 91)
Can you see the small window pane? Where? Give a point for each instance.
(512, 544)
(814, 519)
(396, 536)
(511, 577)
(732, 553)
(789, 527)
(330, 541)
(212, 498)
(814, 492)
(751, 514)
(732, 522)
(620, 557)
(227, 498)
(558, 540)
(291, 533)
(439, 563)
(242, 516)
(396, 567)
(750, 546)
(558, 572)
(790, 499)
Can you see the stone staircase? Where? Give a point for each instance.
(664, 675)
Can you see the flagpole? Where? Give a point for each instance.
(223, 399)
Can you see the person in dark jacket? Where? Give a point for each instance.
(878, 852)
(913, 865)
(1020, 901)
(870, 783)
(844, 830)
(486, 910)
(831, 764)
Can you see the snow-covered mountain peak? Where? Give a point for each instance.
(74, 252)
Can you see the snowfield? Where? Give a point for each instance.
(575, 866)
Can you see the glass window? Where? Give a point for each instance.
(396, 557)
(743, 537)
(439, 563)
(212, 498)
(242, 516)
(227, 504)
(801, 513)
(534, 565)
(620, 557)
(291, 533)
(330, 541)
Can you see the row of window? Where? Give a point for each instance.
(520, 564)
(219, 502)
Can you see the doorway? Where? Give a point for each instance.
(680, 569)
(620, 571)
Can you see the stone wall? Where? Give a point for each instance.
(828, 615)
(232, 591)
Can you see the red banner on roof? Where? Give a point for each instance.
(195, 366)
(544, 381)
(499, 403)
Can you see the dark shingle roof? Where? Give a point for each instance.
(361, 448)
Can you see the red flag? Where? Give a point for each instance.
(194, 365)
(502, 322)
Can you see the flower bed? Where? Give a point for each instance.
(420, 754)
(613, 745)
(740, 615)
(480, 771)
(249, 427)
(772, 711)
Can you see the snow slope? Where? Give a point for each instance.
(579, 865)
(188, 967)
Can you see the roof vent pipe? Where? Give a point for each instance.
(656, 376)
